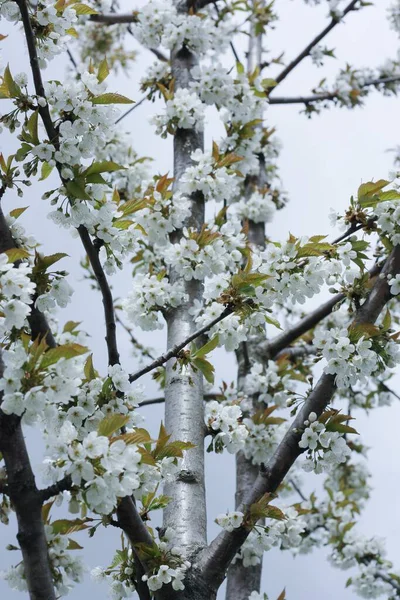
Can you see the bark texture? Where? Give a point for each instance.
(21, 486)
(184, 410)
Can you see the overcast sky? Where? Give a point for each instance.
(323, 162)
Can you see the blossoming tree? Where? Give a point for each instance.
(220, 281)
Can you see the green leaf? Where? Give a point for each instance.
(205, 367)
(89, 370)
(162, 440)
(45, 171)
(32, 126)
(73, 545)
(65, 526)
(15, 254)
(76, 188)
(17, 212)
(83, 9)
(262, 509)
(208, 347)
(23, 151)
(44, 262)
(272, 321)
(139, 436)
(10, 84)
(359, 330)
(371, 188)
(103, 71)
(174, 449)
(105, 166)
(387, 321)
(95, 178)
(268, 83)
(282, 595)
(111, 98)
(70, 326)
(111, 424)
(341, 428)
(46, 511)
(53, 355)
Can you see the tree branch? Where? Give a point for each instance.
(28, 507)
(130, 518)
(114, 19)
(292, 65)
(330, 95)
(215, 559)
(174, 351)
(271, 348)
(63, 485)
(108, 302)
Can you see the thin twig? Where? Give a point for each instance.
(235, 54)
(330, 96)
(107, 298)
(292, 65)
(131, 109)
(134, 341)
(174, 351)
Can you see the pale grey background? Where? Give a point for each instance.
(323, 161)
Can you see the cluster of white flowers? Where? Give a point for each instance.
(184, 111)
(259, 208)
(107, 470)
(355, 547)
(68, 569)
(165, 575)
(286, 281)
(325, 448)
(369, 583)
(90, 129)
(212, 84)
(16, 290)
(352, 362)
(162, 216)
(194, 261)
(101, 220)
(283, 534)
(59, 293)
(262, 440)
(231, 331)
(148, 296)
(19, 235)
(51, 29)
(230, 521)
(388, 221)
(173, 571)
(57, 23)
(216, 184)
(161, 24)
(394, 16)
(224, 419)
(262, 380)
(317, 55)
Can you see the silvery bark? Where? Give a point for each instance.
(184, 410)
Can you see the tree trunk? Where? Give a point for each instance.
(184, 410)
